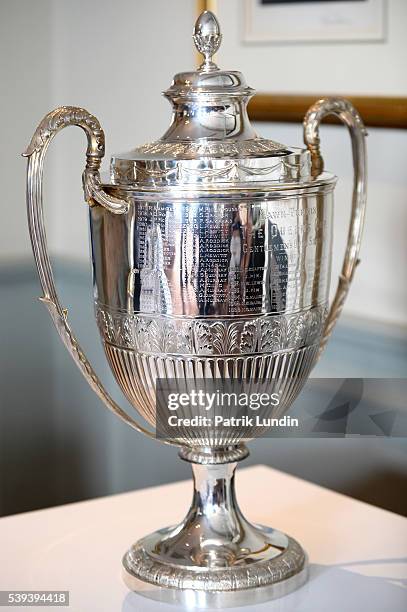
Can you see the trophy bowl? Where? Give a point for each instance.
(211, 255)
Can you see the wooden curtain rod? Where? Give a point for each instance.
(384, 112)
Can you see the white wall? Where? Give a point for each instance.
(114, 58)
(25, 93)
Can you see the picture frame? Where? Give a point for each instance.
(306, 21)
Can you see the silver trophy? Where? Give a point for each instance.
(211, 252)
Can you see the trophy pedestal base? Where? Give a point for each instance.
(281, 570)
(215, 558)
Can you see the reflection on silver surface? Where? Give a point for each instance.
(205, 257)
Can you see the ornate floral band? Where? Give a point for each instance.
(152, 334)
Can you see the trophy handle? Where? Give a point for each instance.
(94, 193)
(350, 117)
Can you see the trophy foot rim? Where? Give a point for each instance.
(221, 587)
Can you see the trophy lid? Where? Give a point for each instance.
(210, 140)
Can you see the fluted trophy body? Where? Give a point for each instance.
(212, 287)
(211, 254)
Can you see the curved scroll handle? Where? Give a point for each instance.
(55, 121)
(49, 126)
(348, 114)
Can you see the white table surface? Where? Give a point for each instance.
(357, 553)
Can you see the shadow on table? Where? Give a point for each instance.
(332, 588)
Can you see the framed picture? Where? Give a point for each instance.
(291, 21)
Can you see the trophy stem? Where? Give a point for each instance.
(221, 536)
(215, 557)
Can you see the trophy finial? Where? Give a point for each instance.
(207, 38)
